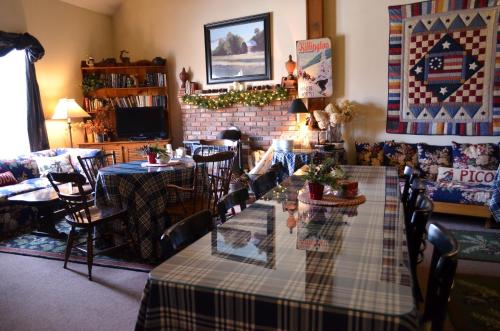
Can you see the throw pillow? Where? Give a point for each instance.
(400, 155)
(7, 178)
(370, 154)
(470, 176)
(430, 158)
(60, 163)
(475, 156)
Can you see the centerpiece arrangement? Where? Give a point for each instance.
(320, 175)
(155, 154)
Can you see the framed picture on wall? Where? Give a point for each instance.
(238, 49)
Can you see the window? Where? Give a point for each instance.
(13, 105)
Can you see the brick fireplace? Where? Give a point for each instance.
(259, 124)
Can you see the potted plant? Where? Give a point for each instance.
(151, 152)
(320, 175)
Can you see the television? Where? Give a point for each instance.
(141, 122)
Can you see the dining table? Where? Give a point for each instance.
(142, 189)
(284, 264)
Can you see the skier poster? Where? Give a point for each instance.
(314, 68)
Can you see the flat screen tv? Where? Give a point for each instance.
(141, 122)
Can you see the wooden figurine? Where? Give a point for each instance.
(183, 76)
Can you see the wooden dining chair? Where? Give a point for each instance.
(92, 164)
(208, 147)
(417, 189)
(231, 200)
(263, 183)
(416, 237)
(81, 213)
(185, 232)
(441, 274)
(212, 176)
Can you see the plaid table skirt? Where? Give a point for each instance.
(145, 196)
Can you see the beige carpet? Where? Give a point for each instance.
(38, 294)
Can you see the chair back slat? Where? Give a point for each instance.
(76, 203)
(264, 183)
(209, 147)
(231, 200)
(442, 272)
(92, 164)
(212, 178)
(417, 190)
(185, 232)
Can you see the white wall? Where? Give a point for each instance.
(174, 30)
(68, 34)
(359, 30)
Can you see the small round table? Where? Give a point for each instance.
(143, 191)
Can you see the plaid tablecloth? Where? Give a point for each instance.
(143, 191)
(285, 265)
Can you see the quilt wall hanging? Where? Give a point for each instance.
(444, 56)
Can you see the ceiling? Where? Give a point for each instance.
(107, 7)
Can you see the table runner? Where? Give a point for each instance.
(273, 267)
(143, 191)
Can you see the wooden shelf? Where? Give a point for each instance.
(139, 73)
(111, 92)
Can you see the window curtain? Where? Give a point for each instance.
(34, 51)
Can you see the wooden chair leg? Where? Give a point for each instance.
(69, 246)
(90, 252)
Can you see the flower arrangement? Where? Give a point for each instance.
(148, 149)
(342, 112)
(247, 98)
(99, 124)
(327, 173)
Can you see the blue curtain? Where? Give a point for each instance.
(34, 52)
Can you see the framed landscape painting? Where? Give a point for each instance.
(238, 49)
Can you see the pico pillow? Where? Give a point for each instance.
(7, 178)
(475, 156)
(400, 155)
(60, 163)
(431, 157)
(370, 154)
(469, 176)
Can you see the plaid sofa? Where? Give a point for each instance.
(14, 218)
(428, 158)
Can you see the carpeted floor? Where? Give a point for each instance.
(51, 248)
(475, 303)
(38, 294)
(478, 245)
(472, 270)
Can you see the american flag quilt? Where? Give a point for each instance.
(444, 68)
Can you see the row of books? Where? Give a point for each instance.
(139, 101)
(94, 104)
(156, 79)
(123, 80)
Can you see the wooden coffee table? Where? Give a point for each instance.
(49, 208)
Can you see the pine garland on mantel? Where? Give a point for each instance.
(247, 98)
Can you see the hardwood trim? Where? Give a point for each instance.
(462, 209)
(314, 19)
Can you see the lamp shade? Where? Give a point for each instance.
(297, 107)
(68, 109)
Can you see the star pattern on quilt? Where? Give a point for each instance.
(446, 67)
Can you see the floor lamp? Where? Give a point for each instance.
(68, 109)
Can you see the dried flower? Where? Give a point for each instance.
(342, 112)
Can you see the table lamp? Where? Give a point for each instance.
(297, 107)
(67, 109)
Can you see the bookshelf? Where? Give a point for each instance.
(108, 87)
